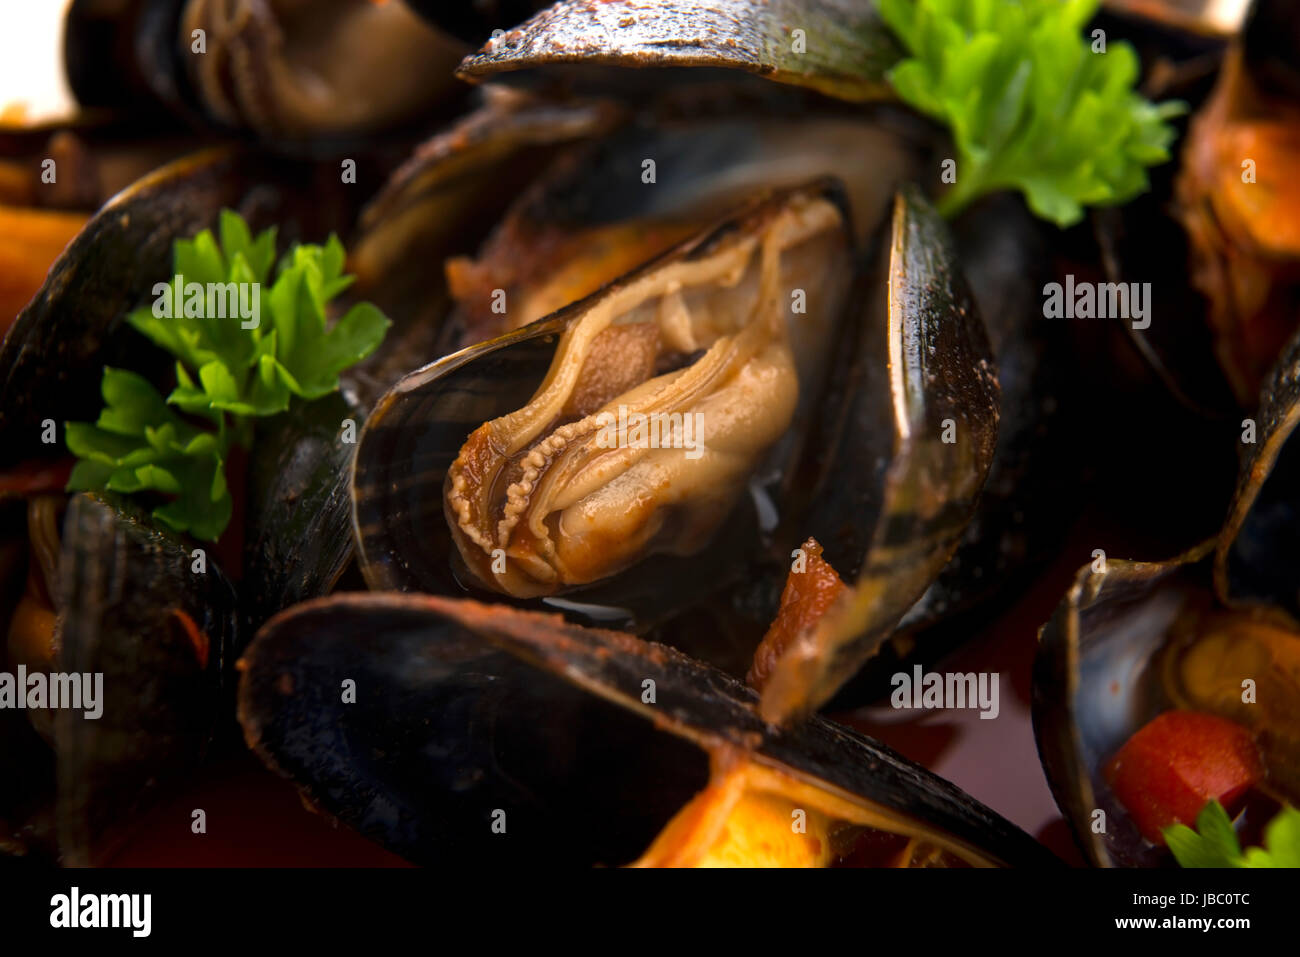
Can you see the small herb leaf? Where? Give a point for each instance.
(1030, 106)
(229, 370)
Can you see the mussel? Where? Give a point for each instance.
(456, 733)
(1214, 630)
(430, 492)
(1222, 219)
(698, 346)
(714, 132)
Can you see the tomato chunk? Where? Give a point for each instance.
(1175, 765)
(810, 591)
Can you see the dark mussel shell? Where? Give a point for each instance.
(1096, 683)
(840, 48)
(464, 710)
(1096, 677)
(1024, 508)
(419, 427)
(1257, 560)
(928, 358)
(164, 638)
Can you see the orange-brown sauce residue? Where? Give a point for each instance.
(197, 636)
(807, 596)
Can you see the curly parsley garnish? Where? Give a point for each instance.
(1029, 104)
(228, 373)
(1214, 842)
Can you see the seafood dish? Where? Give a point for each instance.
(623, 434)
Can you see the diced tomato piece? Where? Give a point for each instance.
(1179, 762)
(809, 593)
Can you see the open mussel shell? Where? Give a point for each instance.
(1096, 683)
(1005, 255)
(837, 47)
(902, 451)
(1257, 560)
(466, 714)
(417, 430)
(157, 639)
(1028, 501)
(1102, 671)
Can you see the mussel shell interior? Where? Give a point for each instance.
(416, 431)
(1096, 682)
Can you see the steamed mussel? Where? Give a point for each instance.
(1212, 633)
(632, 190)
(461, 481)
(697, 352)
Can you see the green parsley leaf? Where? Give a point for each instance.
(1214, 842)
(227, 375)
(1029, 105)
(140, 445)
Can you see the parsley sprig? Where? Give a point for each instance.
(1214, 842)
(1030, 106)
(226, 375)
